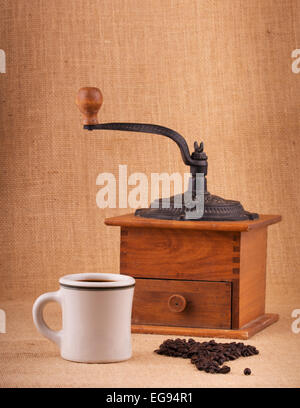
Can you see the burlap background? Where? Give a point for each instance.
(218, 71)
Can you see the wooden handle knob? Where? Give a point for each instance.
(89, 101)
(177, 303)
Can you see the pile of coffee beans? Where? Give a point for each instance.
(208, 356)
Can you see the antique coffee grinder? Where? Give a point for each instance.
(195, 276)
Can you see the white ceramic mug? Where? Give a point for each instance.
(96, 317)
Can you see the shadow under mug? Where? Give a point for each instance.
(96, 317)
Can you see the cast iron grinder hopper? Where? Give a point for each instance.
(89, 101)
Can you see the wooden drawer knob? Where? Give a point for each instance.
(177, 303)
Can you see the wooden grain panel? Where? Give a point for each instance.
(235, 304)
(244, 333)
(208, 303)
(130, 220)
(178, 254)
(252, 285)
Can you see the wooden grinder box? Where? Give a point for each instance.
(204, 278)
(198, 278)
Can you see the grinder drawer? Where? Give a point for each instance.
(182, 303)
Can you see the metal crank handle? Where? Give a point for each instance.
(89, 101)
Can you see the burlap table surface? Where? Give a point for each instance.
(29, 360)
(218, 71)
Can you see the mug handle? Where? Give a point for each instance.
(38, 318)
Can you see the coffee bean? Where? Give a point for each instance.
(207, 356)
(224, 370)
(247, 371)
